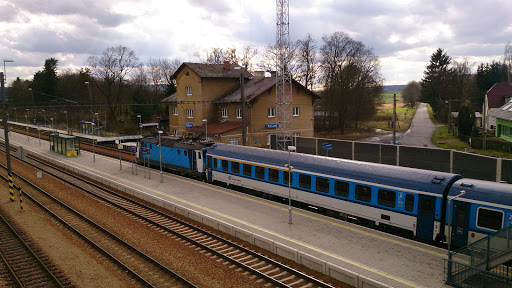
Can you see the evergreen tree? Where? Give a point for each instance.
(46, 81)
(466, 119)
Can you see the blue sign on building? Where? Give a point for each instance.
(272, 126)
(189, 125)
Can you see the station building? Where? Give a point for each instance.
(208, 102)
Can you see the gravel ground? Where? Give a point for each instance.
(85, 268)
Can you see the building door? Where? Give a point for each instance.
(425, 225)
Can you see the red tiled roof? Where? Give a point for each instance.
(496, 95)
(217, 127)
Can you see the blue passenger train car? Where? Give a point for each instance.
(403, 200)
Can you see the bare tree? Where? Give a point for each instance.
(411, 93)
(110, 72)
(168, 67)
(306, 61)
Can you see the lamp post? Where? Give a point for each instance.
(290, 168)
(98, 126)
(160, 145)
(93, 154)
(242, 101)
(44, 118)
(67, 126)
(140, 123)
(462, 192)
(206, 129)
(26, 121)
(32, 92)
(90, 97)
(52, 123)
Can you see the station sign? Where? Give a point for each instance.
(189, 125)
(327, 146)
(272, 126)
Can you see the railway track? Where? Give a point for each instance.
(142, 268)
(229, 253)
(23, 263)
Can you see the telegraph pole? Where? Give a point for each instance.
(394, 119)
(6, 135)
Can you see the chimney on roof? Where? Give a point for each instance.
(226, 65)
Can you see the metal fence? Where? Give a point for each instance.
(467, 164)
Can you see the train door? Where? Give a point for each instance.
(425, 225)
(199, 161)
(460, 224)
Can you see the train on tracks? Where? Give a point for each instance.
(405, 201)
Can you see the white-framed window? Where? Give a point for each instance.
(238, 113)
(268, 139)
(225, 112)
(175, 132)
(233, 140)
(190, 113)
(271, 112)
(188, 90)
(296, 111)
(175, 111)
(296, 134)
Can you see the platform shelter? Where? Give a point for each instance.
(65, 144)
(86, 127)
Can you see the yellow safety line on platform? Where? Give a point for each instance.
(270, 232)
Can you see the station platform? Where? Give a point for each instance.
(387, 259)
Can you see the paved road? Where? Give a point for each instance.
(419, 134)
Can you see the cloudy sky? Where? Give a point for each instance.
(403, 34)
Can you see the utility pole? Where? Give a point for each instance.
(394, 119)
(6, 135)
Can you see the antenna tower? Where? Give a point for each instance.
(284, 129)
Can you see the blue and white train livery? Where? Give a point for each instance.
(400, 200)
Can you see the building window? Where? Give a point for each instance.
(238, 113)
(176, 132)
(188, 90)
(233, 140)
(175, 111)
(190, 113)
(296, 111)
(225, 112)
(271, 112)
(296, 134)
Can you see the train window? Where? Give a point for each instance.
(199, 155)
(386, 198)
(224, 164)
(322, 184)
(364, 193)
(259, 172)
(489, 219)
(409, 202)
(273, 175)
(185, 152)
(286, 175)
(247, 169)
(179, 152)
(341, 188)
(209, 161)
(235, 167)
(214, 163)
(427, 208)
(305, 181)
